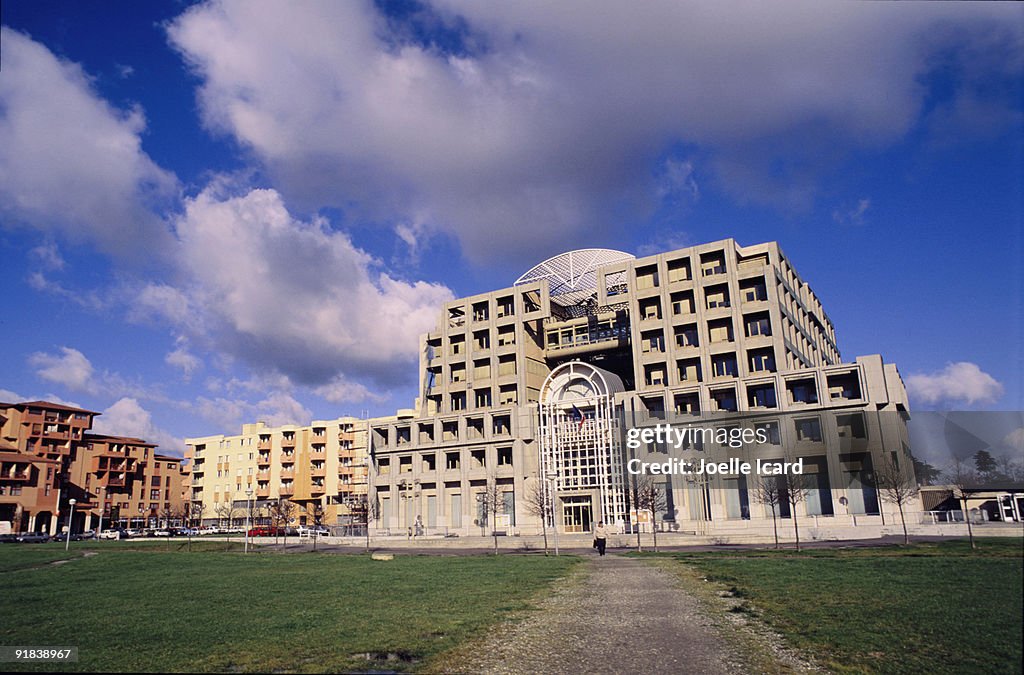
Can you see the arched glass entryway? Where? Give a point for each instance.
(581, 456)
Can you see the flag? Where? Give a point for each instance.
(577, 415)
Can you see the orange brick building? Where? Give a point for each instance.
(47, 458)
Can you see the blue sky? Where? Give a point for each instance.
(214, 213)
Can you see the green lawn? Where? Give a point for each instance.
(153, 610)
(923, 608)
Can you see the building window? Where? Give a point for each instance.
(451, 461)
(652, 341)
(808, 429)
(723, 365)
(504, 456)
(762, 360)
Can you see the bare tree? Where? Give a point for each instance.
(492, 503)
(281, 514)
(960, 476)
(367, 511)
(896, 486)
(795, 487)
(537, 503)
(226, 511)
(193, 512)
(650, 496)
(316, 513)
(768, 492)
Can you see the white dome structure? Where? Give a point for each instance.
(572, 276)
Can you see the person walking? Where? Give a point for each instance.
(600, 537)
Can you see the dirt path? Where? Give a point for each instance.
(616, 615)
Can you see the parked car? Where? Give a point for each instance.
(115, 534)
(312, 531)
(266, 531)
(8, 538)
(189, 532)
(33, 537)
(84, 536)
(136, 532)
(161, 532)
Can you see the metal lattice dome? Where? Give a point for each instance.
(572, 276)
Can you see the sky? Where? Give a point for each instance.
(220, 212)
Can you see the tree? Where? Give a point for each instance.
(768, 492)
(961, 477)
(896, 486)
(650, 496)
(316, 513)
(194, 513)
(984, 462)
(226, 511)
(367, 511)
(537, 503)
(795, 487)
(925, 472)
(281, 514)
(492, 503)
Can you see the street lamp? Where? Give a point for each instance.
(248, 514)
(554, 499)
(71, 517)
(102, 510)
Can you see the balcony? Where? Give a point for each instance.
(287, 490)
(287, 473)
(263, 444)
(263, 492)
(288, 442)
(13, 475)
(318, 472)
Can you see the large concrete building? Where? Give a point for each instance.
(527, 391)
(48, 457)
(319, 466)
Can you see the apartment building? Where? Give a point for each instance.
(48, 457)
(322, 465)
(529, 389)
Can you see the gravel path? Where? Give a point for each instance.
(617, 615)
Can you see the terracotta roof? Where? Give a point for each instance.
(8, 456)
(131, 440)
(168, 458)
(49, 406)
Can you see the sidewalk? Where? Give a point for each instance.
(620, 615)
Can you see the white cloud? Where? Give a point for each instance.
(8, 396)
(184, 360)
(1015, 440)
(290, 296)
(552, 112)
(70, 162)
(69, 367)
(127, 417)
(852, 216)
(48, 256)
(961, 382)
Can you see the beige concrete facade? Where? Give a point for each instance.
(716, 330)
(323, 464)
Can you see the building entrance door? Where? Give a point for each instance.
(577, 513)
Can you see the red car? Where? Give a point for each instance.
(265, 531)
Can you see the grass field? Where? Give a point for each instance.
(921, 608)
(135, 606)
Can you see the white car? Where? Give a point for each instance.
(313, 531)
(113, 534)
